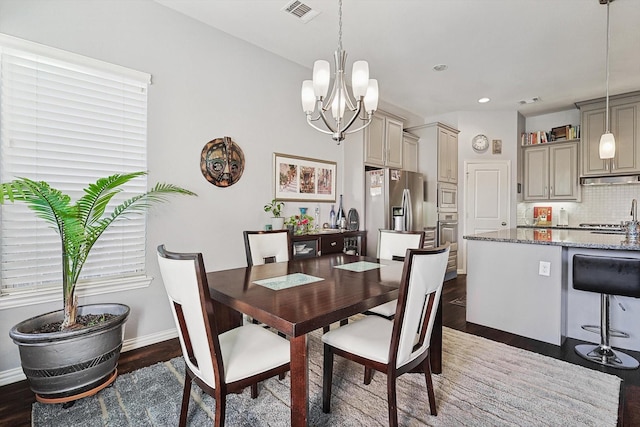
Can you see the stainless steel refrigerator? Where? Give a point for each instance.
(393, 201)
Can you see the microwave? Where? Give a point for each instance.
(447, 197)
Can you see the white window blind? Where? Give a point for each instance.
(69, 122)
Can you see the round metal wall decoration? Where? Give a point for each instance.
(222, 162)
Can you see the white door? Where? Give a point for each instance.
(487, 198)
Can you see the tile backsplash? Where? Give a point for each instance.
(600, 204)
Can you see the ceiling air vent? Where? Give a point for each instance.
(300, 10)
(529, 101)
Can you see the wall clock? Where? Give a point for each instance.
(480, 143)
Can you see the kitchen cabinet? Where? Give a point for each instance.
(447, 154)
(410, 152)
(551, 172)
(383, 141)
(624, 114)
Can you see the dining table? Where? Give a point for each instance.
(299, 296)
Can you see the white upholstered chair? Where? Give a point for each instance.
(219, 363)
(393, 245)
(396, 346)
(262, 247)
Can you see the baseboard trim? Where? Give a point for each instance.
(14, 375)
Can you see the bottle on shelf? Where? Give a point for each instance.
(332, 218)
(341, 219)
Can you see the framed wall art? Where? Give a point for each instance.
(301, 178)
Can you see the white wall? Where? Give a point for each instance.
(206, 85)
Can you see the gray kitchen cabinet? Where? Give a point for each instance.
(447, 154)
(551, 172)
(624, 115)
(410, 152)
(383, 141)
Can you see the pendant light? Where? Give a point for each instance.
(362, 104)
(607, 149)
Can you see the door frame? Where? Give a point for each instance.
(462, 243)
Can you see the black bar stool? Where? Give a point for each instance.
(606, 276)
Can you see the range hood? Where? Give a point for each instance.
(610, 180)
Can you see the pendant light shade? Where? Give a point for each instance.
(607, 149)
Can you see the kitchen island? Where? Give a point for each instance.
(519, 281)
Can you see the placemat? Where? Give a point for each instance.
(288, 281)
(360, 266)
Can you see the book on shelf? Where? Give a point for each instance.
(560, 133)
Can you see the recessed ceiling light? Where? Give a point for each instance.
(440, 67)
(483, 100)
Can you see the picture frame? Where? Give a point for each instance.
(496, 146)
(302, 179)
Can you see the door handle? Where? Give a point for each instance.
(504, 223)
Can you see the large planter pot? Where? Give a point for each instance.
(70, 363)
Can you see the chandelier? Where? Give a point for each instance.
(607, 147)
(362, 104)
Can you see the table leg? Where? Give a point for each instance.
(299, 381)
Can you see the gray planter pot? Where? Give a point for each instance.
(62, 364)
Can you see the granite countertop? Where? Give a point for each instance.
(568, 237)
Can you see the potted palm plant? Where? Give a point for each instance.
(69, 352)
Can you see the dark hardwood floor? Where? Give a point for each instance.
(16, 399)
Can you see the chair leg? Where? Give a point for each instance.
(221, 408)
(254, 390)
(327, 378)
(392, 401)
(426, 366)
(184, 407)
(368, 375)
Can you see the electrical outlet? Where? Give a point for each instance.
(545, 268)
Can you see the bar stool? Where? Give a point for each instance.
(606, 276)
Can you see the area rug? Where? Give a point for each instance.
(483, 383)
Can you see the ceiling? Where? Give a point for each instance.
(507, 50)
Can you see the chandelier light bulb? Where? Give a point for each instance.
(360, 78)
(321, 77)
(371, 98)
(308, 97)
(338, 106)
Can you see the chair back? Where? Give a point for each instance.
(393, 244)
(185, 281)
(418, 299)
(263, 247)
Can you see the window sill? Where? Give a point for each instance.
(84, 289)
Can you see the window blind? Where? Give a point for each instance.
(69, 123)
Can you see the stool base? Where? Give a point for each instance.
(606, 356)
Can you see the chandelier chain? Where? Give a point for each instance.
(340, 25)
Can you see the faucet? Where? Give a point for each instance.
(634, 210)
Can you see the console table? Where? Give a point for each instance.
(324, 243)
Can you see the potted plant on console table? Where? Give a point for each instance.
(72, 353)
(275, 207)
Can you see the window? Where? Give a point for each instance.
(68, 120)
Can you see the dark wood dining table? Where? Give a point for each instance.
(298, 310)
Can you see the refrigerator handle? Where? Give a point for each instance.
(408, 213)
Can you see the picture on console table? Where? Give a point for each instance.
(303, 179)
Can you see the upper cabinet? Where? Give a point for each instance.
(383, 141)
(624, 115)
(551, 172)
(447, 154)
(410, 152)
